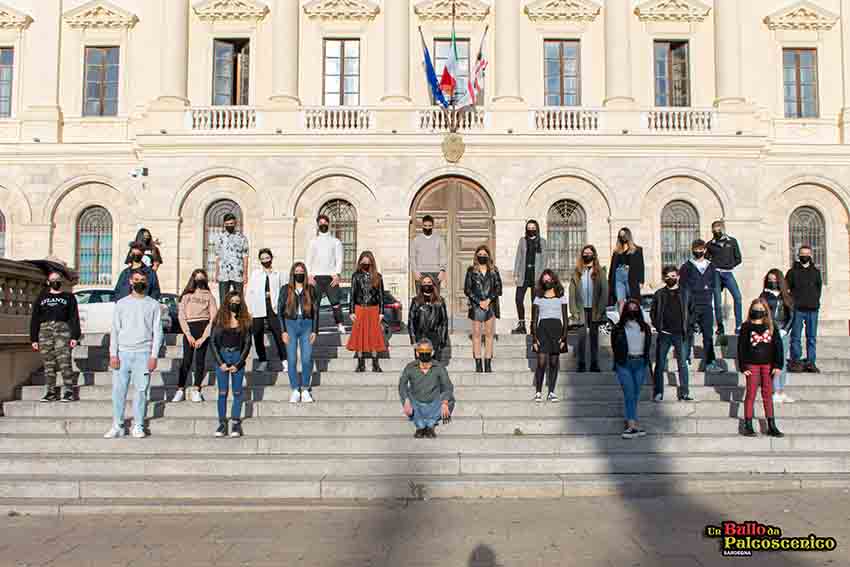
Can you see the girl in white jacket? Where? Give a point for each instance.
(261, 296)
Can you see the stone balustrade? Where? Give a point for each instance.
(566, 120)
(679, 120)
(338, 119)
(437, 119)
(222, 119)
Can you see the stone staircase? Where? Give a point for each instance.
(353, 442)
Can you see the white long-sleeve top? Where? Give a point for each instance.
(324, 256)
(136, 326)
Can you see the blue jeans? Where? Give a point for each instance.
(621, 283)
(810, 318)
(779, 381)
(134, 367)
(704, 317)
(631, 376)
(224, 380)
(664, 343)
(726, 280)
(299, 335)
(426, 414)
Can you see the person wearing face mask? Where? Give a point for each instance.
(133, 350)
(588, 298)
(627, 270)
(725, 253)
(123, 287)
(151, 255)
(298, 311)
(483, 288)
(261, 296)
(697, 277)
(426, 392)
(631, 338)
(231, 346)
(805, 283)
(55, 332)
(428, 317)
(367, 312)
(196, 312)
(324, 260)
(231, 257)
(428, 255)
(549, 316)
(529, 263)
(781, 306)
(761, 359)
(671, 318)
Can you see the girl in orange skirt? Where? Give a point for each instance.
(367, 312)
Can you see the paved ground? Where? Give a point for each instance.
(594, 532)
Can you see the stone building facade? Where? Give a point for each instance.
(671, 114)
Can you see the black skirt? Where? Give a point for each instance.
(549, 332)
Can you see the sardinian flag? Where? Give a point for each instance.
(475, 83)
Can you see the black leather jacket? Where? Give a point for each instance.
(282, 312)
(428, 320)
(216, 343)
(478, 287)
(362, 292)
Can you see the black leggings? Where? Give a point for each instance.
(520, 300)
(258, 329)
(547, 364)
(196, 355)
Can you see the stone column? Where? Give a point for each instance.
(845, 64)
(41, 112)
(174, 53)
(507, 51)
(396, 51)
(727, 53)
(285, 47)
(618, 74)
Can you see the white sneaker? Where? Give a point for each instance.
(115, 432)
(538, 398)
(285, 365)
(295, 397)
(658, 398)
(197, 397)
(262, 366)
(341, 329)
(179, 396)
(306, 398)
(139, 432)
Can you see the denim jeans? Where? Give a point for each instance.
(779, 381)
(426, 414)
(134, 367)
(631, 376)
(726, 280)
(227, 380)
(810, 319)
(621, 283)
(665, 342)
(704, 317)
(299, 335)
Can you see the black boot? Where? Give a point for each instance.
(747, 429)
(361, 365)
(772, 430)
(520, 329)
(478, 366)
(488, 365)
(376, 367)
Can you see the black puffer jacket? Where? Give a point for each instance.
(428, 320)
(478, 287)
(362, 292)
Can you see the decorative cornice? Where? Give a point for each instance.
(11, 19)
(100, 14)
(442, 9)
(342, 9)
(802, 16)
(562, 11)
(231, 10)
(672, 11)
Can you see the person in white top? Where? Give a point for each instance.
(261, 296)
(324, 261)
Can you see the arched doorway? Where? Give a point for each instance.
(463, 218)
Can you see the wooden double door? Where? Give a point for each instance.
(463, 218)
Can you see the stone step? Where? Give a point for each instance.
(376, 426)
(567, 392)
(503, 409)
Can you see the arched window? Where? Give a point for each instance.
(343, 217)
(566, 233)
(94, 246)
(679, 228)
(214, 225)
(2, 235)
(807, 227)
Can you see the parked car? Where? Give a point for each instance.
(392, 310)
(612, 315)
(96, 309)
(172, 301)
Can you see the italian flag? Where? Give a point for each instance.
(449, 78)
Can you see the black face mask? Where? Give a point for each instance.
(427, 289)
(588, 259)
(531, 233)
(622, 239)
(136, 257)
(366, 267)
(805, 260)
(300, 278)
(632, 313)
(549, 285)
(671, 282)
(202, 284)
(699, 255)
(56, 284)
(427, 231)
(773, 285)
(483, 260)
(230, 229)
(425, 357)
(140, 287)
(757, 314)
(267, 265)
(323, 228)
(235, 308)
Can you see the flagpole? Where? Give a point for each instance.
(453, 112)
